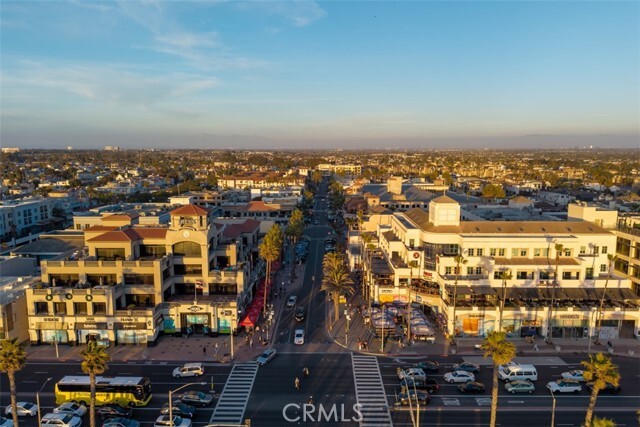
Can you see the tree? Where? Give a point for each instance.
(335, 279)
(602, 422)
(12, 360)
(270, 251)
(493, 191)
(600, 370)
(294, 230)
(612, 260)
(94, 363)
(559, 247)
(506, 275)
(460, 261)
(316, 177)
(497, 347)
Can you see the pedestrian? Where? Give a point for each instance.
(609, 344)
(204, 351)
(251, 342)
(535, 347)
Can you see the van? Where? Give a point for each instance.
(189, 370)
(519, 372)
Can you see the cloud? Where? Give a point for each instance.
(101, 7)
(299, 12)
(190, 40)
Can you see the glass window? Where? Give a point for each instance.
(190, 249)
(478, 270)
(501, 251)
(448, 270)
(492, 252)
(603, 268)
(469, 271)
(471, 252)
(605, 249)
(589, 273)
(583, 250)
(479, 252)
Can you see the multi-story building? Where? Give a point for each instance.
(341, 168)
(628, 249)
(551, 276)
(21, 217)
(129, 284)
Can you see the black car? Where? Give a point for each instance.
(300, 314)
(115, 411)
(429, 385)
(420, 397)
(179, 408)
(196, 398)
(428, 366)
(472, 387)
(608, 388)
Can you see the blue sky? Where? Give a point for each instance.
(305, 74)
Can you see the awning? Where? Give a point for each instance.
(483, 290)
(254, 310)
(574, 293)
(523, 293)
(462, 290)
(620, 294)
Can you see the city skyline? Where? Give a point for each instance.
(320, 74)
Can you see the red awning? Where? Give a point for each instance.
(253, 312)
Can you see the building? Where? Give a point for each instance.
(130, 284)
(22, 217)
(345, 168)
(510, 262)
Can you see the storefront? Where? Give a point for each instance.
(53, 330)
(93, 331)
(570, 326)
(198, 324)
(514, 326)
(130, 332)
(227, 319)
(474, 324)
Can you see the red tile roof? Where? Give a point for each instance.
(127, 235)
(189, 210)
(151, 233)
(120, 217)
(98, 228)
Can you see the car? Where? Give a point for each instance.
(501, 368)
(188, 370)
(60, 420)
(299, 337)
(472, 387)
(300, 314)
(121, 422)
(164, 421)
(466, 366)
(179, 408)
(564, 386)
(430, 385)
(415, 396)
(520, 386)
(410, 372)
(574, 374)
(291, 302)
(24, 409)
(6, 422)
(428, 366)
(266, 356)
(459, 377)
(608, 388)
(72, 408)
(114, 411)
(196, 398)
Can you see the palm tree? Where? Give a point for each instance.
(600, 370)
(497, 347)
(506, 275)
(335, 279)
(559, 247)
(294, 230)
(602, 422)
(270, 252)
(412, 264)
(12, 360)
(459, 260)
(612, 260)
(94, 363)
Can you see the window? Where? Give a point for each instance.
(42, 308)
(589, 272)
(501, 251)
(469, 271)
(479, 252)
(471, 252)
(583, 250)
(492, 252)
(605, 249)
(190, 249)
(182, 269)
(110, 253)
(545, 275)
(59, 308)
(522, 275)
(99, 308)
(500, 274)
(80, 308)
(514, 252)
(603, 268)
(478, 270)
(567, 252)
(448, 270)
(596, 250)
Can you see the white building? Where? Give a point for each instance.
(19, 217)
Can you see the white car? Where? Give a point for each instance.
(72, 408)
(411, 372)
(60, 420)
(6, 422)
(165, 421)
(574, 374)
(266, 356)
(188, 370)
(25, 409)
(291, 302)
(459, 377)
(299, 337)
(564, 386)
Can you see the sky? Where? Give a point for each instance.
(305, 74)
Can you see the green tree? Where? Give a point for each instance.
(559, 248)
(460, 261)
(506, 276)
(270, 249)
(600, 370)
(493, 191)
(612, 260)
(12, 360)
(335, 279)
(602, 422)
(94, 363)
(294, 230)
(501, 351)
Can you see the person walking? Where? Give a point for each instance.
(204, 351)
(296, 383)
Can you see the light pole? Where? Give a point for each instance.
(171, 399)
(346, 334)
(553, 409)
(594, 311)
(38, 401)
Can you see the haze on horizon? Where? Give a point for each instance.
(304, 74)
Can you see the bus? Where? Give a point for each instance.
(125, 391)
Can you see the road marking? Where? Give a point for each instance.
(515, 401)
(235, 395)
(370, 392)
(483, 401)
(451, 401)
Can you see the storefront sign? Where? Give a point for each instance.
(386, 291)
(137, 325)
(476, 315)
(569, 316)
(128, 319)
(51, 319)
(51, 325)
(195, 309)
(91, 325)
(427, 274)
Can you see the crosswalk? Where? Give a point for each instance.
(370, 393)
(235, 395)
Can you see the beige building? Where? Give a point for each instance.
(130, 284)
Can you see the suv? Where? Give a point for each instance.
(411, 372)
(429, 385)
(188, 370)
(291, 302)
(300, 314)
(61, 420)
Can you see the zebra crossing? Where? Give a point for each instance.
(370, 393)
(235, 394)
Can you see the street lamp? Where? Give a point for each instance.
(346, 334)
(38, 401)
(171, 401)
(553, 409)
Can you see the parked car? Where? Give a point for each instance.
(179, 408)
(459, 377)
(299, 337)
(24, 409)
(574, 374)
(410, 372)
(121, 422)
(188, 370)
(564, 386)
(60, 420)
(291, 302)
(430, 385)
(266, 356)
(197, 398)
(72, 408)
(112, 411)
(466, 366)
(472, 387)
(300, 314)
(418, 396)
(520, 386)
(608, 388)
(428, 366)
(6, 422)
(164, 421)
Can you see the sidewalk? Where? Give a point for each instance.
(178, 349)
